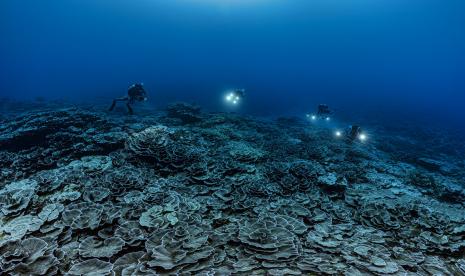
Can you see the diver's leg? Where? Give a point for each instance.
(117, 100)
(112, 105)
(130, 111)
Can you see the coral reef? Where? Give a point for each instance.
(184, 112)
(191, 193)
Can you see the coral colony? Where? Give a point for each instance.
(194, 193)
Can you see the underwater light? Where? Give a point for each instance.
(362, 137)
(327, 118)
(338, 133)
(230, 97)
(309, 116)
(233, 98)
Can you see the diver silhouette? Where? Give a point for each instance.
(323, 110)
(136, 93)
(354, 132)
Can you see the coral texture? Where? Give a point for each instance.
(193, 193)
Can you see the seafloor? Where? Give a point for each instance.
(184, 192)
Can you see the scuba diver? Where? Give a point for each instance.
(240, 93)
(323, 111)
(351, 134)
(355, 132)
(136, 93)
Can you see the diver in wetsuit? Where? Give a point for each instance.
(354, 132)
(136, 93)
(323, 111)
(240, 93)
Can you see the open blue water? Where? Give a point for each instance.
(381, 58)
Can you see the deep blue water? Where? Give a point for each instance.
(403, 59)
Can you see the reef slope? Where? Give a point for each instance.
(186, 192)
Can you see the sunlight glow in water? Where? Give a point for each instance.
(230, 2)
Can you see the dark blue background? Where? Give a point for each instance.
(401, 58)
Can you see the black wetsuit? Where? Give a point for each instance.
(136, 92)
(323, 110)
(354, 132)
(239, 93)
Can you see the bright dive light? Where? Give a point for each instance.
(313, 117)
(362, 137)
(233, 98)
(338, 133)
(327, 118)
